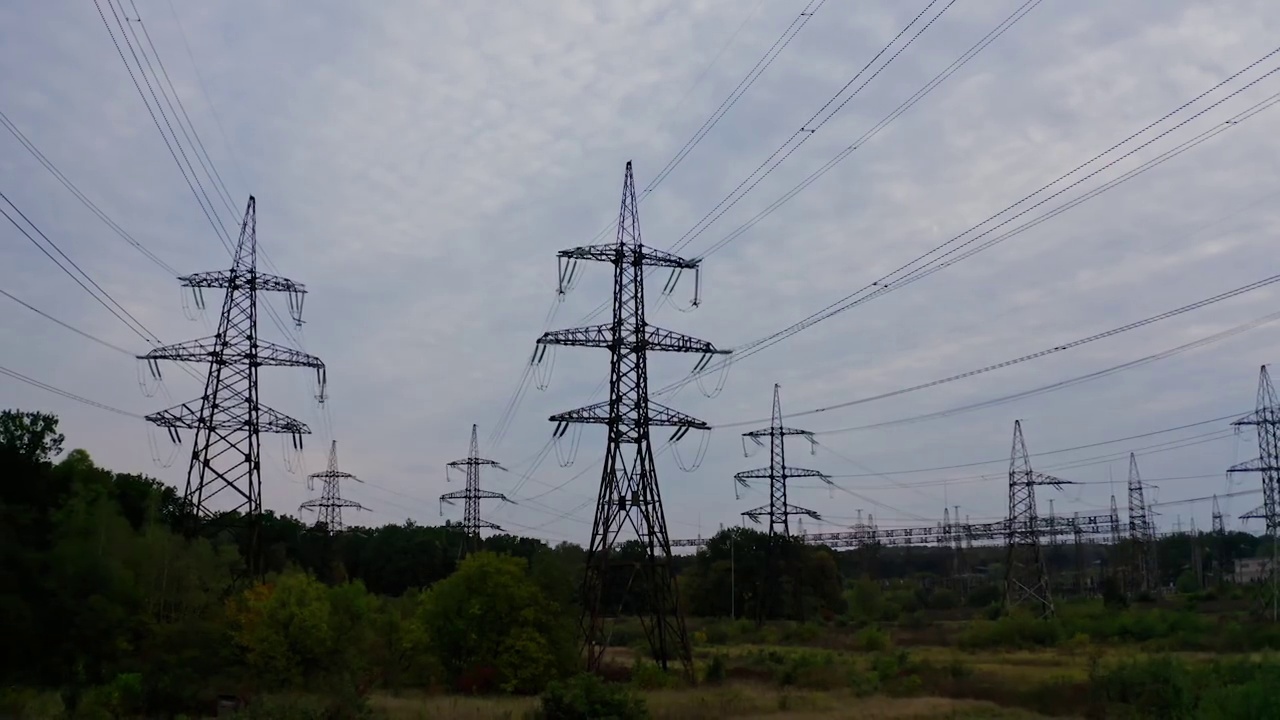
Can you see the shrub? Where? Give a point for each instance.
(872, 639)
(587, 697)
(716, 670)
(649, 676)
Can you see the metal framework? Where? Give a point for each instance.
(628, 495)
(328, 507)
(228, 419)
(1142, 536)
(1265, 419)
(778, 510)
(471, 495)
(1026, 578)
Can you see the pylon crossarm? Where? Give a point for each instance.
(793, 472)
(659, 415)
(655, 338)
(260, 281)
(615, 253)
(474, 461)
(264, 354)
(766, 432)
(1254, 465)
(187, 416)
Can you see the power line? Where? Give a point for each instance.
(73, 329)
(131, 322)
(1061, 384)
(1033, 356)
(888, 283)
(69, 395)
(66, 182)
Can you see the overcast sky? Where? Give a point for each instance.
(418, 164)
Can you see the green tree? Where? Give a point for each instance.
(490, 625)
(33, 435)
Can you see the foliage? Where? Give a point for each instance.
(30, 435)
(587, 697)
(490, 623)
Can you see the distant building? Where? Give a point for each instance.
(1251, 570)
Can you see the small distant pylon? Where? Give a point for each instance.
(1142, 543)
(328, 507)
(1219, 544)
(779, 510)
(1265, 419)
(471, 495)
(1026, 577)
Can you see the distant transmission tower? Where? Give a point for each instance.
(1142, 541)
(328, 507)
(228, 418)
(1266, 420)
(1219, 543)
(1026, 578)
(629, 493)
(471, 495)
(778, 510)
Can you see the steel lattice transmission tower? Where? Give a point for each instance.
(328, 507)
(471, 494)
(778, 510)
(628, 495)
(228, 419)
(1026, 577)
(1142, 537)
(1265, 419)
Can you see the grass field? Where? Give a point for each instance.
(743, 701)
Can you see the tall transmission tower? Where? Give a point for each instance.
(1026, 577)
(471, 495)
(228, 419)
(778, 510)
(328, 507)
(628, 495)
(1142, 541)
(1265, 419)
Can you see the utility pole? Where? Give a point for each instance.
(1265, 419)
(1026, 578)
(629, 495)
(328, 507)
(471, 495)
(228, 419)
(779, 510)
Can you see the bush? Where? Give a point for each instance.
(648, 675)
(716, 670)
(872, 639)
(587, 697)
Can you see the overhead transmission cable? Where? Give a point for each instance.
(1265, 282)
(69, 395)
(889, 282)
(66, 182)
(805, 131)
(68, 326)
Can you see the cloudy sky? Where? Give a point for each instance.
(418, 165)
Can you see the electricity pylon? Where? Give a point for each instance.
(471, 495)
(228, 419)
(628, 495)
(1265, 419)
(778, 510)
(328, 507)
(1142, 541)
(1026, 578)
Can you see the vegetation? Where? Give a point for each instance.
(112, 610)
